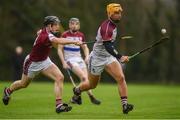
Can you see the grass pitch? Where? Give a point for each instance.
(38, 102)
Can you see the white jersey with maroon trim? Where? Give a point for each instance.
(106, 32)
(71, 50)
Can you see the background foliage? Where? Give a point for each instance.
(143, 19)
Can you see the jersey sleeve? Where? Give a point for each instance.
(51, 36)
(110, 48)
(106, 32)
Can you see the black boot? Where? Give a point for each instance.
(127, 108)
(63, 108)
(6, 97)
(94, 100)
(76, 99)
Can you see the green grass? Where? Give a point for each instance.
(37, 101)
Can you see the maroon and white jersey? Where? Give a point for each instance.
(71, 50)
(42, 46)
(106, 32)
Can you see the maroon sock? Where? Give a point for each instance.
(124, 100)
(58, 102)
(8, 91)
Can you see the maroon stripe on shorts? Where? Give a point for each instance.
(26, 66)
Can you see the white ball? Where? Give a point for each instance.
(163, 31)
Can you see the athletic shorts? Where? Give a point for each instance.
(96, 64)
(31, 69)
(76, 61)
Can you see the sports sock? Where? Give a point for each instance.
(58, 102)
(89, 94)
(8, 91)
(124, 100)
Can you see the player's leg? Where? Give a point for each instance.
(23, 83)
(115, 70)
(89, 92)
(83, 75)
(55, 74)
(94, 73)
(85, 86)
(76, 70)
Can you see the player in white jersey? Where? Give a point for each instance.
(71, 58)
(105, 57)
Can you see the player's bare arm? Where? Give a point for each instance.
(86, 52)
(64, 41)
(61, 56)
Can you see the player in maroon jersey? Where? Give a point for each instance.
(105, 57)
(38, 61)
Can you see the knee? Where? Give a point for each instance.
(88, 85)
(121, 78)
(60, 78)
(84, 79)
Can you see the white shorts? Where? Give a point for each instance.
(96, 64)
(76, 61)
(31, 69)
